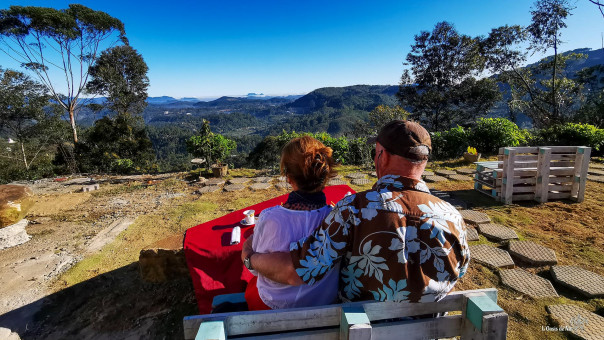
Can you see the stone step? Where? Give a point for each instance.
(361, 181)
(527, 283)
(577, 321)
(472, 235)
(497, 232)
(239, 180)
(491, 256)
(475, 217)
(356, 175)
(466, 171)
(445, 172)
(432, 179)
(532, 253)
(233, 187)
(578, 279)
(260, 186)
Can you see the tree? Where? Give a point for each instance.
(120, 74)
(545, 32)
(116, 144)
(600, 5)
(440, 88)
(24, 117)
(66, 40)
(210, 146)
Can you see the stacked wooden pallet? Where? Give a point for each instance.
(535, 173)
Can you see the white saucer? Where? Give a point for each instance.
(243, 222)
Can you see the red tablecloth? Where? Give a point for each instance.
(215, 265)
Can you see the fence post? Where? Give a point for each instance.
(507, 187)
(580, 174)
(354, 324)
(542, 178)
(482, 318)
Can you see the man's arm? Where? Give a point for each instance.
(275, 266)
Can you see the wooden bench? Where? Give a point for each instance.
(472, 314)
(535, 173)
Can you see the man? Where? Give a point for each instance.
(396, 241)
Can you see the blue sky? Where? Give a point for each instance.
(215, 48)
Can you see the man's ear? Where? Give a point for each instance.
(385, 157)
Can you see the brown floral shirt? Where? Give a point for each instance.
(396, 243)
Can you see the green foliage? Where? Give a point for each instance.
(210, 146)
(441, 88)
(573, 134)
(120, 74)
(40, 37)
(119, 144)
(267, 154)
(450, 143)
(27, 117)
(490, 134)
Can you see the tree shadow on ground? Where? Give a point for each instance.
(114, 305)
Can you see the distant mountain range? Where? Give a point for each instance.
(332, 109)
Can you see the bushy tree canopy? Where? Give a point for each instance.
(67, 40)
(120, 74)
(440, 88)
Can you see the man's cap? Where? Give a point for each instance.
(405, 138)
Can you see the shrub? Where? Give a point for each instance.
(573, 134)
(490, 134)
(450, 143)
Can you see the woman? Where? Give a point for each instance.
(308, 165)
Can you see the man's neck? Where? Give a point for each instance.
(409, 170)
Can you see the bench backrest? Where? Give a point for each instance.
(478, 317)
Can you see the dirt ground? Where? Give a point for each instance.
(75, 279)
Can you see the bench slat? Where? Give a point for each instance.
(443, 327)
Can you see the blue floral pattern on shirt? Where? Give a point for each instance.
(396, 243)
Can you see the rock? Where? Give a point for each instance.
(15, 203)
(14, 235)
(163, 260)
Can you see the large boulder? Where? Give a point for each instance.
(14, 235)
(15, 203)
(163, 260)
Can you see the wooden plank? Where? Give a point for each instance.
(560, 180)
(270, 321)
(211, 330)
(559, 188)
(495, 326)
(581, 173)
(355, 324)
(524, 189)
(543, 170)
(443, 327)
(522, 149)
(560, 195)
(317, 334)
(564, 149)
(523, 197)
(507, 189)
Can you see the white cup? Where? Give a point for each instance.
(249, 217)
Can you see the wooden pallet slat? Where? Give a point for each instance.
(540, 173)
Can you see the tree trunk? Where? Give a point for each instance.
(554, 79)
(73, 123)
(24, 157)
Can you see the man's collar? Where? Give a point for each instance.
(396, 182)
